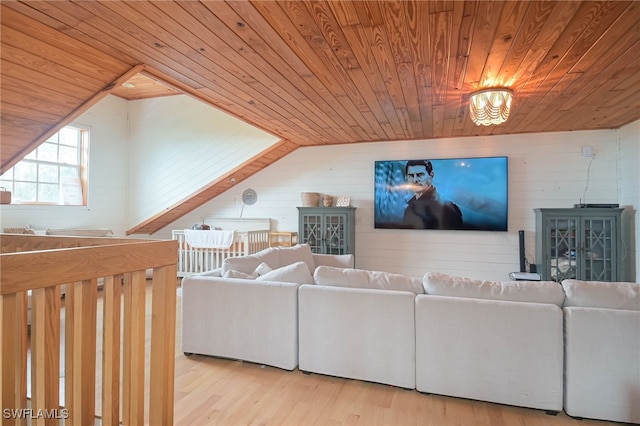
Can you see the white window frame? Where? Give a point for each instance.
(51, 155)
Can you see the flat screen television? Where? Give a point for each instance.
(451, 193)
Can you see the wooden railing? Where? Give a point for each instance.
(40, 266)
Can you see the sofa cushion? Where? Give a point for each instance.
(238, 274)
(262, 269)
(248, 264)
(440, 284)
(599, 294)
(297, 272)
(360, 278)
(297, 253)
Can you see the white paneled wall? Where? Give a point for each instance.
(177, 146)
(629, 175)
(545, 170)
(108, 178)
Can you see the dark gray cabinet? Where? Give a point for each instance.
(328, 230)
(579, 243)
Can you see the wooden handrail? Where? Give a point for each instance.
(13, 243)
(41, 268)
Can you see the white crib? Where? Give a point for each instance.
(250, 236)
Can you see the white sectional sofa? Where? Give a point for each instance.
(602, 344)
(250, 318)
(543, 345)
(491, 341)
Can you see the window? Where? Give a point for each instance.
(55, 173)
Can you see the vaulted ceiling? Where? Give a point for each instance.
(325, 72)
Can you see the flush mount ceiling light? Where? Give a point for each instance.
(128, 85)
(490, 106)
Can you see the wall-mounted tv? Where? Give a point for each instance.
(451, 193)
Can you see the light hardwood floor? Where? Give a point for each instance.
(223, 392)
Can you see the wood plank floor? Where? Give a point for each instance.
(223, 392)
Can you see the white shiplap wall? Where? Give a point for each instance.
(545, 170)
(108, 178)
(629, 176)
(177, 146)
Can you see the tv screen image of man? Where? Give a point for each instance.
(427, 209)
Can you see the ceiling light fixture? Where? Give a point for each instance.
(490, 106)
(128, 85)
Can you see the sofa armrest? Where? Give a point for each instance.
(334, 260)
(255, 321)
(602, 376)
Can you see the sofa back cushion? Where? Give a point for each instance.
(335, 260)
(274, 257)
(297, 253)
(239, 275)
(599, 294)
(248, 264)
(360, 278)
(297, 272)
(440, 284)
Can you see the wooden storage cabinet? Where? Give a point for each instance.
(579, 243)
(329, 230)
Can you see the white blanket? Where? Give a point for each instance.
(209, 239)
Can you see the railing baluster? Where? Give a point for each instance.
(13, 353)
(45, 353)
(133, 348)
(80, 356)
(112, 290)
(162, 346)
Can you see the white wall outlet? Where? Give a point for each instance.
(587, 151)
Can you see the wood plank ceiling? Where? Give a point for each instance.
(325, 72)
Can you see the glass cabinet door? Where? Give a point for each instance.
(598, 249)
(313, 232)
(335, 241)
(562, 243)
